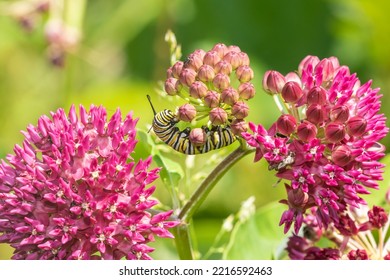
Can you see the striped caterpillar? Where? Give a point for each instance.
(164, 126)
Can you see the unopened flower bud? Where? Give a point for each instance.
(291, 92)
(221, 81)
(306, 131)
(308, 60)
(211, 58)
(186, 112)
(246, 90)
(199, 52)
(335, 132)
(244, 58)
(233, 48)
(342, 155)
(293, 77)
(170, 86)
(221, 49)
(176, 69)
(27, 22)
(195, 60)
(296, 245)
(206, 73)
(54, 31)
(316, 113)
(325, 69)
(197, 136)
(356, 126)
(244, 73)
(339, 113)
(169, 73)
(223, 67)
(62, 35)
(187, 76)
(297, 197)
(212, 99)
(273, 82)
(286, 124)
(387, 196)
(42, 6)
(358, 254)
(198, 89)
(218, 116)
(377, 217)
(238, 126)
(233, 58)
(56, 55)
(229, 96)
(316, 95)
(240, 110)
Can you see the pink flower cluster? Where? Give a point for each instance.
(325, 143)
(355, 236)
(216, 84)
(72, 191)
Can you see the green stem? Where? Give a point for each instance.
(182, 236)
(74, 13)
(278, 104)
(210, 181)
(183, 242)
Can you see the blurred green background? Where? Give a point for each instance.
(122, 57)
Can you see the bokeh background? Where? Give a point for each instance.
(122, 56)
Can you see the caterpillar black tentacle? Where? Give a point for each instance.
(164, 126)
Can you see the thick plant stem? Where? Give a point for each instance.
(209, 182)
(183, 242)
(182, 237)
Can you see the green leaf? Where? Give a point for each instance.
(147, 143)
(258, 238)
(171, 172)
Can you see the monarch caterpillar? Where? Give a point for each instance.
(164, 126)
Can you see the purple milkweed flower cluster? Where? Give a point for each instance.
(216, 83)
(73, 191)
(360, 235)
(325, 143)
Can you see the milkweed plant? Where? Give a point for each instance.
(73, 190)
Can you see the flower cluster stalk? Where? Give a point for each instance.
(198, 197)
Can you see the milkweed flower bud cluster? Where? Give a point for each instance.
(216, 84)
(73, 191)
(62, 39)
(27, 13)
(355, 237)
(325, 143)
(62, 36)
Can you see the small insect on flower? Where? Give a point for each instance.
(288, 160)
(164, 126)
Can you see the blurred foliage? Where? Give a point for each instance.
(258, 237)
(122, 57)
